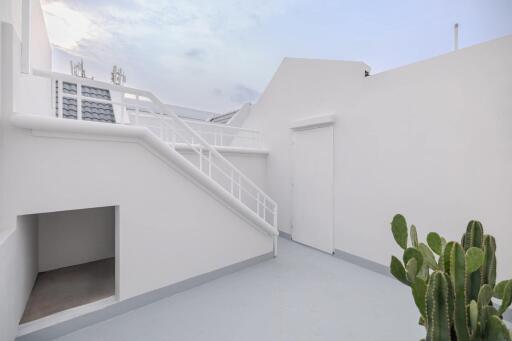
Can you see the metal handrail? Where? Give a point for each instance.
(222, 135)
(219, 135)
(223, 126)
(171, 128)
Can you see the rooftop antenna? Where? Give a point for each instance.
(118, 77)
(456, 36)
(77, 69)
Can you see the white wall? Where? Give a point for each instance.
(10, 12)
(300, 88)
(35, 92)
(75, 237)
(239, 118)
(35, 96)
(10, 48)
(40, 49)
(18, 269)
(170, 229)
(431, 140)
(2, 117)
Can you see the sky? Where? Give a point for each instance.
(216, 55)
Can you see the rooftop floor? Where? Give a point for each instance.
(303, 294)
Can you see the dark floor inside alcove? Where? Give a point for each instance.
(70, 287)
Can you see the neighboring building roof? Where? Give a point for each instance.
(91, 111)
(191, 114)
(223, 118)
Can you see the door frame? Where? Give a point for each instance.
(309, 123)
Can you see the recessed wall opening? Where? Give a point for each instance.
(75, 260)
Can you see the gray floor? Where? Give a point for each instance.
(69, 287)
(301, 295)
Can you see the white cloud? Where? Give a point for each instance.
(187, 47)
(67, 27)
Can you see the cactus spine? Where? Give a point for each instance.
(453, 283)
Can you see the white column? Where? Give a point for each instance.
(25, 36)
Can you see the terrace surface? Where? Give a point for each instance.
(303, 294)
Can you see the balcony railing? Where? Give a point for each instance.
(222, 135)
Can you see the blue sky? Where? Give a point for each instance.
(217, 55)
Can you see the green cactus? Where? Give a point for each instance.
(488, 272)
(453, 283)
(473, 238)
(438, 315)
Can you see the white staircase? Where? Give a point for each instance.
(141, 108)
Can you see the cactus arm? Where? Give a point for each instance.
(473, 238)
(499, 289)
(399, 230)
(485, 313)
(428, 257)
(435, 242)
(414, 236)
(473, 317)
(497, 330)
(411, 270)
(398, 270)
(438, 320)
(458, 278)
(488, 274)
(474, 259)
(445, 263)
(507, 298)
(411, 253)
(419, 291)
(485, 295)
(474, 235)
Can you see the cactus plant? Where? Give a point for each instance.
(453, 283)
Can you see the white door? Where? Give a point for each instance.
(312, 188)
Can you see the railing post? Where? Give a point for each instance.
(78, 101)
(201, 159)
(123, 108)
(240, 187)
(137, 109)
(232, 182)
(210, 163)
(258, 203)
(264, 208)
(221, 138)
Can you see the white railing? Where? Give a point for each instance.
(223, 135)
(171, 129)
(218, 135)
